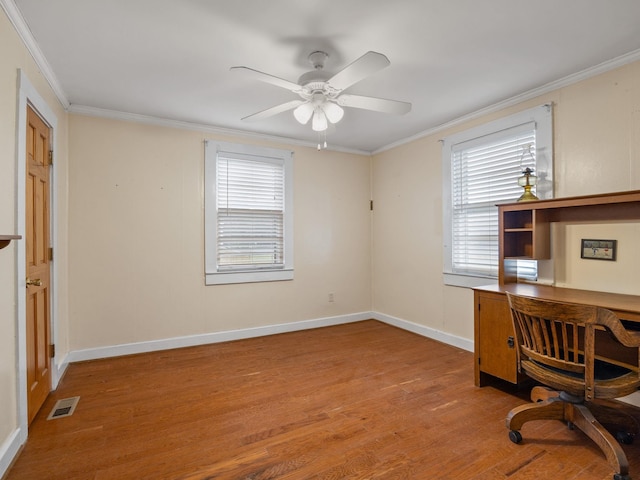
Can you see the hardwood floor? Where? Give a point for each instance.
(357, 401)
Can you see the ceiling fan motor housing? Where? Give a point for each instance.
(317, 59)
(315, 81)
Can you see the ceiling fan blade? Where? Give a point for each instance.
(375, 104)
(269, 112)
(265, 77)
(366, 65)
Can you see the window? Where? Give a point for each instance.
(481, 168)
(248, 214)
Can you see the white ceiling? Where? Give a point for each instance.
(170, 59)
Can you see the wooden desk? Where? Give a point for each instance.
(524, 230)
(494, 351)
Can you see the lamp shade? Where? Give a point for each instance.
(319, 123)
(527, 178)
(333, 111)
(303, 113)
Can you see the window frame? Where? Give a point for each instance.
(214, 275)
(542, 117)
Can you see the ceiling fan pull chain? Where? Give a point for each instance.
(322, 140)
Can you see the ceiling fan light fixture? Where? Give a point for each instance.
(303, 113)
(319, 123)
(333, 111)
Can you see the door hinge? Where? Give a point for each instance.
(50, 157)
(371, 205)
(478, 360)
(52, 350)
(50, 254)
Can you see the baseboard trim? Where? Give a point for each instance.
(58, 369)
(425, 331)
(207, 338)
(10, 449)
(229, 335)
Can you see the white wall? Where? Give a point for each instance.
(14, 56)
(597, 150)
(619, 276)
(137, 241)
(597, 134)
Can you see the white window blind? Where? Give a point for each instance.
(248, 213)
(484, 172)
(481, 167)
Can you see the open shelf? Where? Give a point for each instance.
(525, 226)
(518, 243)
(518, 220)
(6, 239)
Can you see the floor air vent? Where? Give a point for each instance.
(64, 408)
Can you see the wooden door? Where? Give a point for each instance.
(37, 263)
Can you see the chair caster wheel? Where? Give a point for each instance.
(625, 438)
(617, 476)
(515, 436)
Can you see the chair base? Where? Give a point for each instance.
(553, 405)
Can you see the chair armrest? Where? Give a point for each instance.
(636, 336)
(629, 338)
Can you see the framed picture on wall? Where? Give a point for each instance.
(598, 249)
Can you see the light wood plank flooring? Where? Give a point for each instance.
(356, 401)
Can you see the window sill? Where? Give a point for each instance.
(248, 277)
(467, 281)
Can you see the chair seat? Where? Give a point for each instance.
(611, 381)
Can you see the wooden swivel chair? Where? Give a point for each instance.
(556, 345)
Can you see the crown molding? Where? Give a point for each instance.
(536, 92)
(18, 22)
(169, 123)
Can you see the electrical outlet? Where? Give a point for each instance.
(331, 298)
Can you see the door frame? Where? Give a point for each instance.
(28, 95)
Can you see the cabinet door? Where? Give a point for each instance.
(494, 353)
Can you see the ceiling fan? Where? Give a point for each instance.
(321, 94)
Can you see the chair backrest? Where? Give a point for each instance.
(551, 333)
(561, 336)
